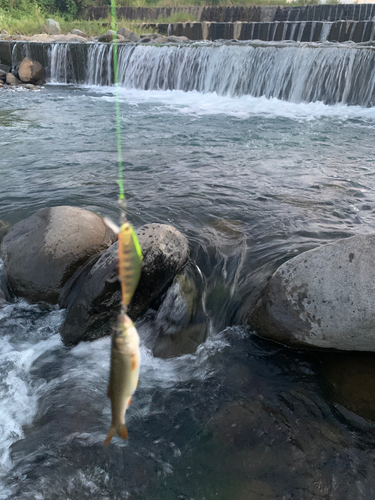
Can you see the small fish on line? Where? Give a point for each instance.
(124, 373)
(129, 258)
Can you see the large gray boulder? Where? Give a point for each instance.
(94, 300)
(31, 72)
(53, 27)
(322, 298)
(43, 251)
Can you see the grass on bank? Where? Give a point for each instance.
(27, 17)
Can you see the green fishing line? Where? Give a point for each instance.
(120, 180)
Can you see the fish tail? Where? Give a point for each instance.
(121, 430)
(112, 431)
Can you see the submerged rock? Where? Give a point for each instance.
(31, 72)
(94, 301)
(43, 251)
(322, 298)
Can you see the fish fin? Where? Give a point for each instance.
(111, 225)
(122, 431)
(130, 400)
(134, 363)
(111, 433)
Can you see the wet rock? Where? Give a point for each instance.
(180, 324)
(12, 79)
(31, 72)
(53, 27)
(30, 86)
(322, 298)
(79, 33)
(3, 76)
(145, 40)
(42, 252)
(93, 309)
(107, 37)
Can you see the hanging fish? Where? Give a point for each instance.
(123, 380)
(129, 257)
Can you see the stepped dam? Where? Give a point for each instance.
(294, 72)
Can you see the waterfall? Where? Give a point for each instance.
(296, 72)
(60, 63)
(325, 31)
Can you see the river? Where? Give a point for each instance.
(252, 182)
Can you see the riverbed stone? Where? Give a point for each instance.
(31, 72)
(43, 251)
(3, 75)
(322, 298)
(94, 301)
(53, 27)
(12, 79)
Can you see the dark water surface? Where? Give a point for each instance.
(251, 182)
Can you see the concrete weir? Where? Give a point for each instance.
(298, 31)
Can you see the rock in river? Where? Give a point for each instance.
(31, 72)
(322, 298)
(93, 302)
(43, 251)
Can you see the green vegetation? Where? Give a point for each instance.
(27, 17)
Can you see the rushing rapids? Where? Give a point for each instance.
(293, 72)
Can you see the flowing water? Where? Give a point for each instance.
(251, 181)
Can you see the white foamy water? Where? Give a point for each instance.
(244, 107)
(23, 338)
